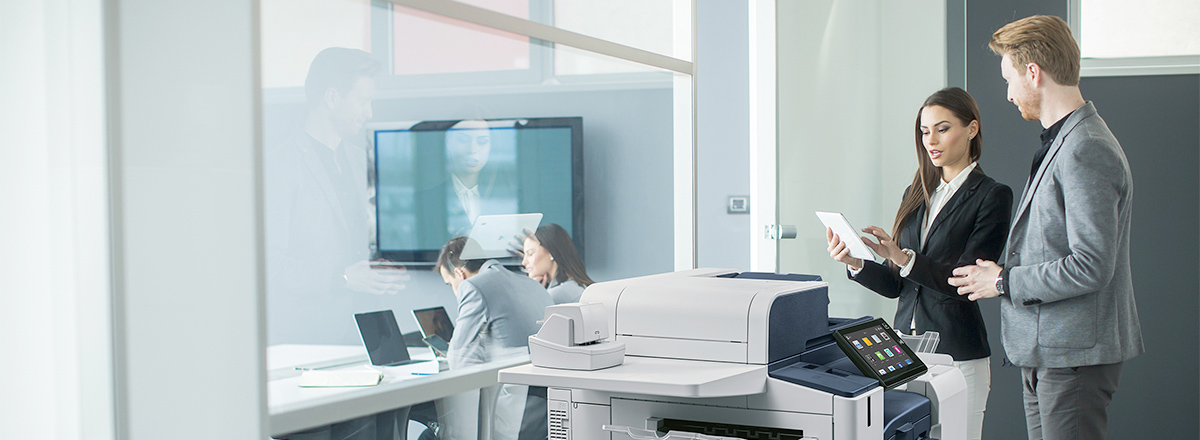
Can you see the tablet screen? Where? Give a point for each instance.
(491, 234)
(840, 226)
(879, 353)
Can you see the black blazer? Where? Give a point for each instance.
(973, 224)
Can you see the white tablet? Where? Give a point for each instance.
(491, 234)
(840, 226)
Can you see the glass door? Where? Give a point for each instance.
(851, 77)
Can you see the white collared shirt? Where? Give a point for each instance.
(940, 196)
(468, 196)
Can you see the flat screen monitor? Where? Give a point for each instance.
(879, 353)
(429, 180)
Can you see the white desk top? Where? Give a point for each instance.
(653, 376)
(293, 408)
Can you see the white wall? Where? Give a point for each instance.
(56, 377)
(851, 78)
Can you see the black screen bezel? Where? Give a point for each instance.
(891, 381)
(427, 257)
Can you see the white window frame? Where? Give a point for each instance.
(1128, 66)
(536, 78)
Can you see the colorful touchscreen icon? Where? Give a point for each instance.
(868, 341)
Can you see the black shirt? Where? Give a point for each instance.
(1048, 136)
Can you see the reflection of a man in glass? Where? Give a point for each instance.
(316, 214)
(468, 145)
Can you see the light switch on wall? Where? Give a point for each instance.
(739, 205)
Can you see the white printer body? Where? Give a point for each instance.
(711, 352)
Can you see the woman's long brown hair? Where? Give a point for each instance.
(555, 240)
(925, 181)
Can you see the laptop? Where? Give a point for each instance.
(436, 328)
(434, 321)
(382, 338)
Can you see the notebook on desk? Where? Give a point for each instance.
(381, 336)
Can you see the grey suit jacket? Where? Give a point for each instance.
(1070, 301)
(497, 312)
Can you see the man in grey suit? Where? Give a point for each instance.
(1068, 316)
(498, 310)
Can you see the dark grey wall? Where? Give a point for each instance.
(1156, 119)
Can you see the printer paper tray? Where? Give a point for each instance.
(652, 376)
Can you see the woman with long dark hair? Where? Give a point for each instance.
(551, 259)
(951, 215)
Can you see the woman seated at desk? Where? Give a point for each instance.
(551, 259)
(497, 312)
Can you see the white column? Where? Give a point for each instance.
(763, 145)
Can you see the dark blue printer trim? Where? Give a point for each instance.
(772, 276)
(822, 365)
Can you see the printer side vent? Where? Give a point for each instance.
(794, 319)
(559, 418)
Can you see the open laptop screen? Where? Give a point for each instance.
(434, 321)
(381, 336)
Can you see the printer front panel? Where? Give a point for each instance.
(684, 349)
(686, 308)
(787, 396)
(859, 417)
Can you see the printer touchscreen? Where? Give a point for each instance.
(879, 353)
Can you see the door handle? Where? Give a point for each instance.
(780, 232)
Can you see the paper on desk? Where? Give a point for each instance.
(405, 372)
(354, 378)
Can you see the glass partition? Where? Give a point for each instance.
(374, 148)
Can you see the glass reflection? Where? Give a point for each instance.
(433, 179)
(315, 214)
(369, 157)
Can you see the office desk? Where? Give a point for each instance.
(293, 408)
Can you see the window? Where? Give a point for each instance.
(293, 31)
(1119, 38)
(445, 45)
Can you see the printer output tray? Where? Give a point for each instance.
(653, 376)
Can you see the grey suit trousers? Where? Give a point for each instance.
(1069, 403)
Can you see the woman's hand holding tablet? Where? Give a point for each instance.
(837, 223)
